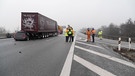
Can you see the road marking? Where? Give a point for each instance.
(67, 65)
(89, 45)
(109, 57)
(92, 67)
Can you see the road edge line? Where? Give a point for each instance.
(68, 63)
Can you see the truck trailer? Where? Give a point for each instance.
(36, 25)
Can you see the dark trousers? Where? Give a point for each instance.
(67, 38)
(93, 37)
(72, 38)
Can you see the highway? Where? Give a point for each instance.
(97, 59)
(54, 57)
(43, 57)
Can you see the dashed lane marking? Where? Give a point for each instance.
(109, 57)
(92, 67)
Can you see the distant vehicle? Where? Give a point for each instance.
(21, 36)
(35, 25)
(60, 29)
(8, 35)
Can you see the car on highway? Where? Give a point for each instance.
(20, 35)
(8, 35)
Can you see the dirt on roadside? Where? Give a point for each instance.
(130, 54)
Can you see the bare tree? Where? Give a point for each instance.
(125, 29)
(2, 30)
(128, 28)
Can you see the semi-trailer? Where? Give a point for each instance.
(36, 25)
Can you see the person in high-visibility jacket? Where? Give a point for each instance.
(93, 34)
(100, 34)
(88, 33)
(72, 34)
(66, 35)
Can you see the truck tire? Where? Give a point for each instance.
(47, 35)
(16, 40)
(27, 39)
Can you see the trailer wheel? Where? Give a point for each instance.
(43, 36)
(47, 35)
(16, 40)
(53, 34)
(28, 38)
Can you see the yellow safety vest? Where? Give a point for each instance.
(73, 33)
(100, 33)
(66, 33)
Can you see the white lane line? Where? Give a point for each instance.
(92, 67)
(89, 45)
(67, 65)
(109, 57)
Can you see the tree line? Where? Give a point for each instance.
(2, 30)
(113, 31)
(125, 29)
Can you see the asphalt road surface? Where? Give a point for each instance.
(43, 57)
(97, 59)
(54, 57)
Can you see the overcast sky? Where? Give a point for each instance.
(77, 13)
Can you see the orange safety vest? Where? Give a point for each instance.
(88, 32)
(88, 35)
(93, 31)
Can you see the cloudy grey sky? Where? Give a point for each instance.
(77, 13)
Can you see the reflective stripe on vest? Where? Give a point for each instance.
(69, 32)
